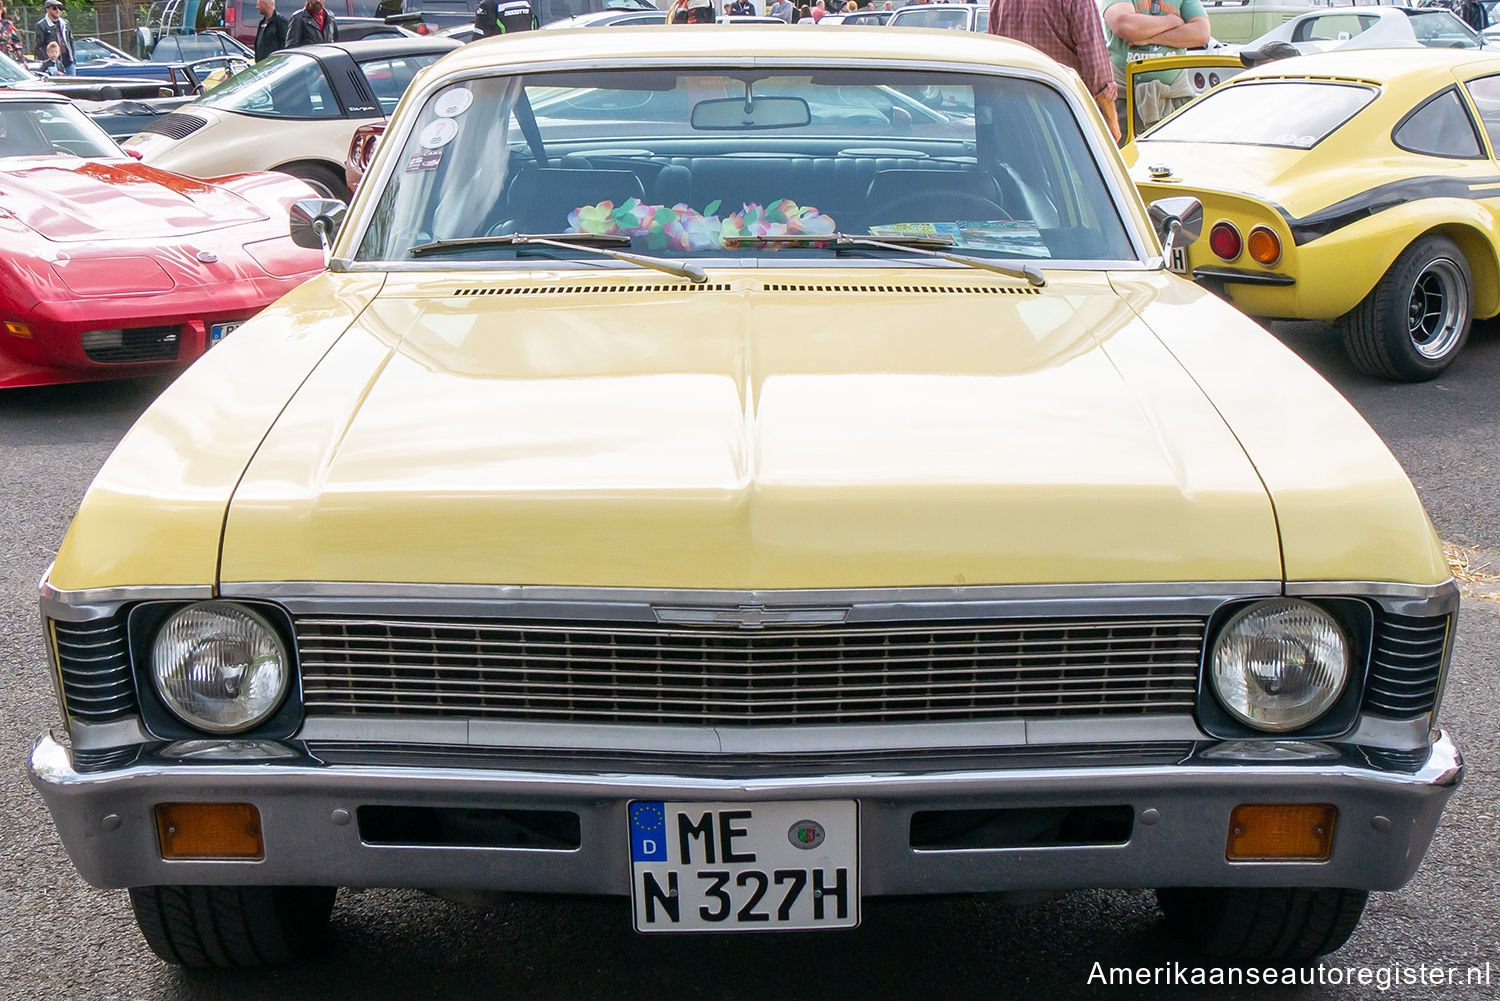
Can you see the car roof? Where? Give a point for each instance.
(378, 48)
(7, 96)
(733, 44)
(1376, 65)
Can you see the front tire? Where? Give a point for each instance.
(1257, 924)
(1415, 321)
(224, 927)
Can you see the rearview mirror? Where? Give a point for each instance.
(1177, 221)
(315, 222)
(750, 112)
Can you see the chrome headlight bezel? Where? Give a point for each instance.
(162, 720)
(1355, 618)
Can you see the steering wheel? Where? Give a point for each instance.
(923, 206)
(199, 70)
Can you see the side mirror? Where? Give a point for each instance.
(315, 222)
(1177, 221)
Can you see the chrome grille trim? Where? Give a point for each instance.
(726, 676)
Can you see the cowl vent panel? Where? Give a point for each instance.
(801, 289)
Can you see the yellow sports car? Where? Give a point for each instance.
(1351, 186)
(708, 475)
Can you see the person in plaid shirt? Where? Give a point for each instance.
(1069, 31)
(10, 38)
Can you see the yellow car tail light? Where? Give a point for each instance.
(1224, 240)
(209, 831)
(1281, 832)
(17, 329)
(1264, 246)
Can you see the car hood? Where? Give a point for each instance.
(68, 200)
(757, 433)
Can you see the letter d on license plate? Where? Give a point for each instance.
(744, 866)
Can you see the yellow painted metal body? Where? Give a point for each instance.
(1260, 185)
(795, 428)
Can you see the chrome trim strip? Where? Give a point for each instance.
(87, 736)
(293, 591)
(94, 603)
(758, 740)
(1446, 591)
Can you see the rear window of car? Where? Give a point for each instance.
(283, 85)
(389, 78)
(1297, 114)
(1439, 29)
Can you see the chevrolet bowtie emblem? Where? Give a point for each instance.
(749, 616)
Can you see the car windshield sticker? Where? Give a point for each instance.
(426, 160)
(453, 103)
(439, 133)
(1018, 237)
(682, 227)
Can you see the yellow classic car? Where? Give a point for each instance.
(1346, 187)
(711, 475)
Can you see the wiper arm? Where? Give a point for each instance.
(923, 245)
(566, 241)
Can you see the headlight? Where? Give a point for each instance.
(1278, 665)
(219, 667)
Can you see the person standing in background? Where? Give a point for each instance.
(781, 10)
(53, 27)
(311, 25)
(270, 35)
(10, 38)
(1142, 29)
(1069, 31)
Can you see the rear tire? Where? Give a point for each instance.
(1415, 321)
(1257, 924)
(327, 182)
(223, 927)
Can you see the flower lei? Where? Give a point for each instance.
(682, 227)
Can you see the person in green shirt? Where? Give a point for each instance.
(1142, 29)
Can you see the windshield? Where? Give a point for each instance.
(1294, 113)
(956, 18)
(48, 128)
(10, 72)
(689, 162)
(283, 85)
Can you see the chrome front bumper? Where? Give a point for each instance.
(1387, 814)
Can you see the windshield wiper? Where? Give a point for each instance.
(923, 245)
(567, 241)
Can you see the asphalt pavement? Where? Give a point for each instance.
(61, 939)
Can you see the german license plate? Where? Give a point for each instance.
(744, 866)
(1178, 261)
(219, 331)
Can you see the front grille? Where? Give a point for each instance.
(175, 125)
(95, 669)
(725, 676)
(1406, 664)
(134, 344)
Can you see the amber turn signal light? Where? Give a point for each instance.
(17, 329)
(1281, 832)
(209, 831)
(1264, 246)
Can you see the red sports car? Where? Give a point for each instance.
(110, 268)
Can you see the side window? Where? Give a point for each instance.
(1441, 127)
(389, 78)
(1486, 94)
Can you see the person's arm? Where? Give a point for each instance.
(1192, 35)
(1138, 29)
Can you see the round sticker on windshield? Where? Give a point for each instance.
(453, 103)
(438, 133)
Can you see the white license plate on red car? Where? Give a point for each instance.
(744, 866)
(219, 331)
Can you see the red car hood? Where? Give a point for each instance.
(70, 200)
